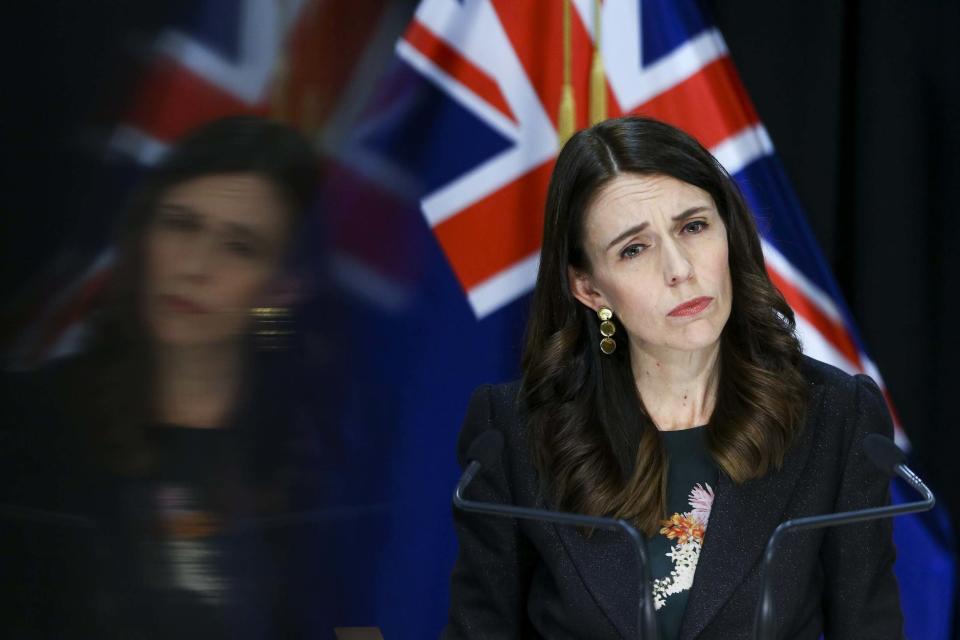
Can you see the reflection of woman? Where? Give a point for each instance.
(663, 383)
(203, 248)
(182, 435)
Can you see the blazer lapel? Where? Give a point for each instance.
(606, 564)
(741, 521)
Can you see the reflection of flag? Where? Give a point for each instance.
(308, 63)
(289, 60)
(488, 135)
(295, 61)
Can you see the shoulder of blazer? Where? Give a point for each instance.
(822, 375)
(492, 406)
(839, 385)
(499, 407)
(837, 401)
(508, 415)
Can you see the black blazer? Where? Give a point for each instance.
(528, 579)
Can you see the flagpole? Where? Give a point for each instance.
(566, 116)
(279, 102)
(598, 79)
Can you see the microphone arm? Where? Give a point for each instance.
(763, 627)
(646, 618)
(45, 516)
(912, 479)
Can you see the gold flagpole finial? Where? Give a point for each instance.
(598, 79)
(566, 117)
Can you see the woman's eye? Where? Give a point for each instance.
(632, 251)
(243, 249)
(695, 227)
(178, 222)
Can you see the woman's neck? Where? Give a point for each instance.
(678, 388)
(197, 386)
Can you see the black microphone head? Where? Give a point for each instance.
(883, 453)
(486, 447)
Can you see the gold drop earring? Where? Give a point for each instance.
(273, 327)
(607, 344)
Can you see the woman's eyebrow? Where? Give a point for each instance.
(176, 208)
(692, 211)
(637, 228)
(243, 230)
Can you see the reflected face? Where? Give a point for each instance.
(212, 249)
(657, 249)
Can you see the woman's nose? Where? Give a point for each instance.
(677, 267)
(196, 258)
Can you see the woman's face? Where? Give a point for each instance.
(657, 248)
(212, 248)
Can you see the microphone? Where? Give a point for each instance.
(887, 457)
(484, 452)
(16, 512)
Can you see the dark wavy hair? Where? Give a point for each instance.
(594, 445)
(113, 385)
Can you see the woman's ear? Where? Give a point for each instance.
(583, 289)
(283, 291)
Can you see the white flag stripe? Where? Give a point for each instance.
(369, 284)
(475, 31)
(620, 49)
(634, 85)
(21, 352)
(504, 287)
(471, 101)
(136, 144)
(776, 261)
(263, 27)
(817, 346)
(485, 179)
(585, 9)
(743, 148)
(870, 368)
(379, 169)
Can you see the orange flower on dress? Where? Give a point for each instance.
(682, 527)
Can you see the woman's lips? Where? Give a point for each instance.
(691, 307)
(182, 305)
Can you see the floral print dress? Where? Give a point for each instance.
(674, 551)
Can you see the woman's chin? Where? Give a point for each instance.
(175, 335)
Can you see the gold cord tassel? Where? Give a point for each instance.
(279, 98)
(310, 110)
(566, 117)
(598, 79)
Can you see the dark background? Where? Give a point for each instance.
(862, 101)
(860, 98)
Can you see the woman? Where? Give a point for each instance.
(174, 435)
(663, 383)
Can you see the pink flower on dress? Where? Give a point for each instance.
(701, 500)
(682, 529)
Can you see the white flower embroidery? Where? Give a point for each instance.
(688, 530)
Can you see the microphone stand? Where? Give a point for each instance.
(646, 618)
(764, 621)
